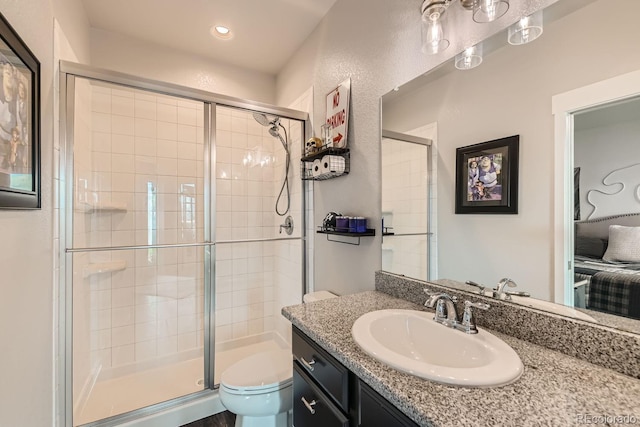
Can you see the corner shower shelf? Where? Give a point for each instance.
(306, 164)
(90, 208)
(104, 267)
(370, 232)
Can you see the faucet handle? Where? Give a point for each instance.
(435, 296)
(477, 285)
(468, 324)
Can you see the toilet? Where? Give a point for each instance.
(259, 388)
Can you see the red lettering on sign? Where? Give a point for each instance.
(336, 99)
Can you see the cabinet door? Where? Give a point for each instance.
(311, 406)
(375, 411)
(327, 372)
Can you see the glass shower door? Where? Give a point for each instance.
(138, 252)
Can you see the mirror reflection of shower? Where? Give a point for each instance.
(274, 125)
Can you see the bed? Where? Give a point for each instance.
(607, 261)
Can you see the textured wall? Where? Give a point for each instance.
(377, 44)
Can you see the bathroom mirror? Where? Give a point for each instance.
(510, 93)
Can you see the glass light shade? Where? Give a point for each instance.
(489, 10)
(470, 58)
(526, 29)
(433, 35)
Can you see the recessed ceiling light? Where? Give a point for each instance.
(221, 32)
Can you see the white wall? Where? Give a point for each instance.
(116, 52)
(377, 44)
(518, 246)
(599, 151)
(26, 257)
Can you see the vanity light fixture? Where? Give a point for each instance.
(486, 10)
(526, 29)
(470, 58)
(432, 24)
(434, 38)
(221, 32)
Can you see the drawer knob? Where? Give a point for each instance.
(309, 405)
(308, 365)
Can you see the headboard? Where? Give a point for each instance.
(592, 236)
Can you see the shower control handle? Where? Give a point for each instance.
(308, 365)
(309, 405)
(288, 225)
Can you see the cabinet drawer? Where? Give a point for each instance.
(311, 406)
(322, 367)
(375, 411)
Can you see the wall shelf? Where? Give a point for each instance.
(104, 267)
(336, 169)
(370, 232)
(90, 208)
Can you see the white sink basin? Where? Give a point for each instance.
(411, 341)
(551, 307)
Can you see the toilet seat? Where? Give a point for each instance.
(259, 373)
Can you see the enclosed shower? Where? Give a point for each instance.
(174, 264)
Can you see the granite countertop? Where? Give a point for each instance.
(554, 389)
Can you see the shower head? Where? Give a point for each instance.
(264, 120)
(273, 130)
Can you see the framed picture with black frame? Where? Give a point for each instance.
(487, 177)
(19, 122)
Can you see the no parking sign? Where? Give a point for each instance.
(338, 115)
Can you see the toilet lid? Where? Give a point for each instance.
(261, 370)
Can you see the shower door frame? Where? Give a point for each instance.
(69, 71)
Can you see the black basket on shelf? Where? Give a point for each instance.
(325, 164)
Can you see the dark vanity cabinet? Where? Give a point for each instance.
(326, 394)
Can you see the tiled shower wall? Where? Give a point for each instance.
(250, 166)
(140, 182)
(404, 207)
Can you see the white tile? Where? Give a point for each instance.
(122, 163)
(123, 182)
(145, 128)
(167, 327)
(101, 122)
(168, 345)
(187, 168)
(145, 313)
(145, 350)
(122, 91)
(101, 141)
(168, 131)
(187, 150)
(123, 316)
(145, 165)
(187, 133)
(122, 106)
(166, 148)
(145, 331)
(239, 124)
(122, 144)
(122, 125)
(101, 102)
(167, 166)
(187, 341)
(122, 335)
(145, 109)
(187, 116)
(167, 113)
(145, 146)
(239, 140)
(101, 162)
(123, 355)
(122, 297)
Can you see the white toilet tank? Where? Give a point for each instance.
(317, 296)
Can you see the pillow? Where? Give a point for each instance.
(592, 247)
(624, 244)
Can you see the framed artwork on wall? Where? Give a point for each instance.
(19, 122)
(487, 177)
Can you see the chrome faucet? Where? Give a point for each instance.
(445, 308)
(447, 315)
(288, 225)
(500, 293)
(468, 324)
(477, 285)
